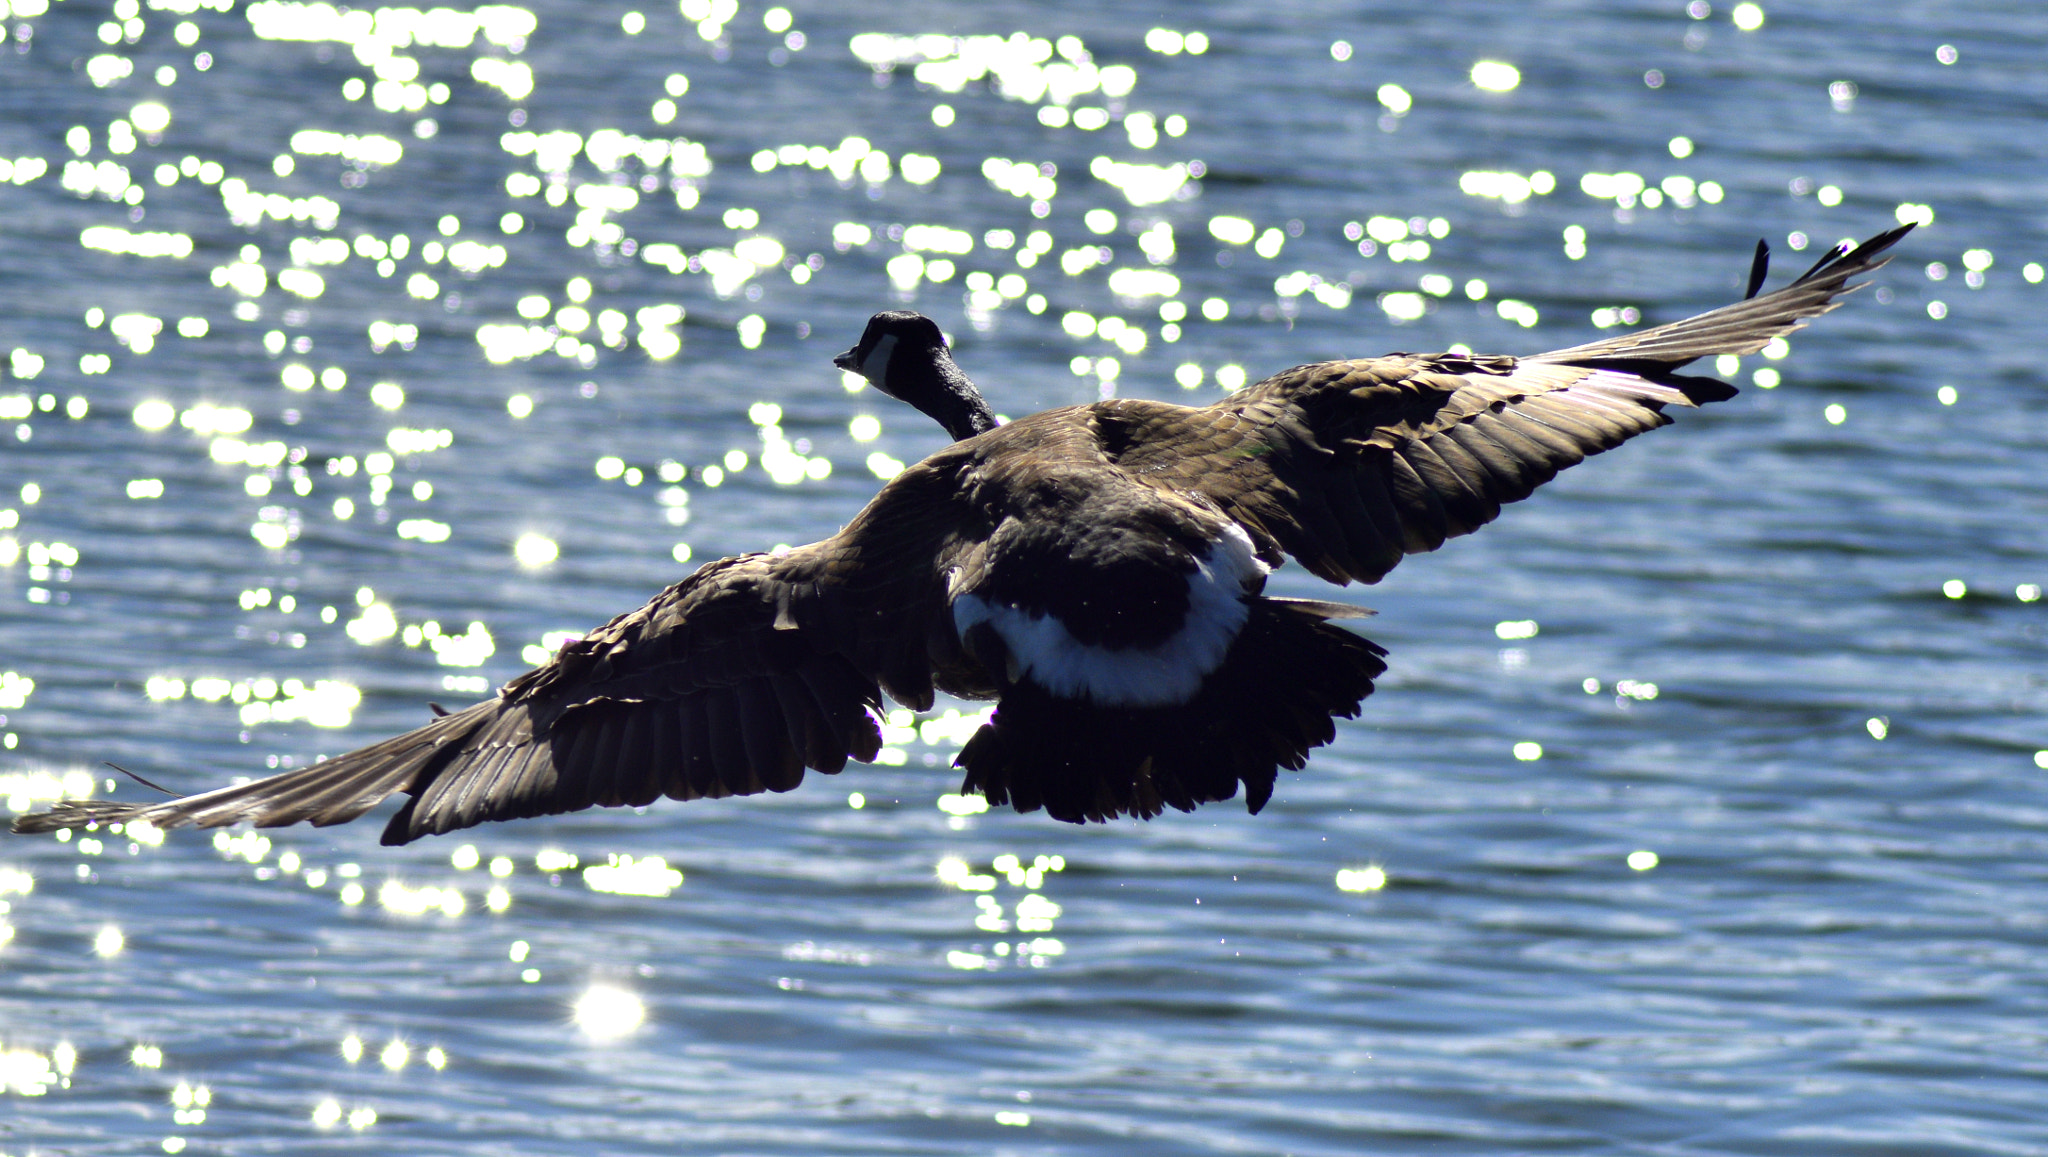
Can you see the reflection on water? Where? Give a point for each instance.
(1032, 912)
(357, 358)
(1370, 878)
(606, 1013)
(28, 1073)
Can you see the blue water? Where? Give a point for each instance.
(1768, 881)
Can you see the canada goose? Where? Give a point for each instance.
(1096, 569)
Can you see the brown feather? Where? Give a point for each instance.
(728, 750)
(766, 737)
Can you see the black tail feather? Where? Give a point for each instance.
(1270, 701)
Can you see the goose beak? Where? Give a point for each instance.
(849, 361)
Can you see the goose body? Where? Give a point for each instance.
(1097, 569)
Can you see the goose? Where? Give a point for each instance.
(1098, 570)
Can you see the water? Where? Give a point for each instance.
(1791, 647)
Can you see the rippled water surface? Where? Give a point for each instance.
(357, 357)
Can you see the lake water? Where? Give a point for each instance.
(354, 359)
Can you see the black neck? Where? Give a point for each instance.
(949, 398)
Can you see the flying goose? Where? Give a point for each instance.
(1096, 569)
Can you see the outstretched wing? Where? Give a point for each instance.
(1348, 466)
(731, 682)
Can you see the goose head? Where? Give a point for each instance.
(904, 355)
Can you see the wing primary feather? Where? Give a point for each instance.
(808, 733)
(1839, 248)
(596, 778)
(472, 773)
(1524, 449)
(1373, 547)
(1563, 449)
(633, 783)
(697, 774)
(728, 750)
(664, 750)
(1470, 470)
(1585, 427)
(836, 715)
(765, 736)
(1322, 531)
(1499, 465)
(537, 774)
(1462, 500)
(848, 696)
(447, 810)
(1425, 521)
(1369, 481)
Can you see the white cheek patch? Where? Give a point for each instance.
(1171, 672)
(875, 367)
